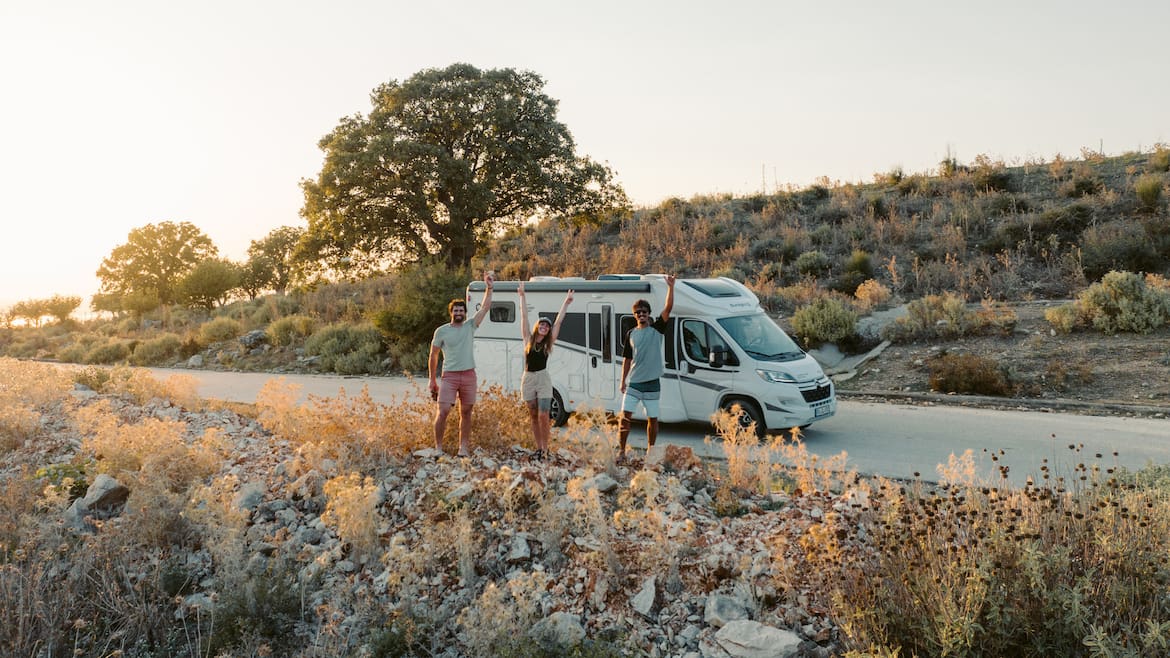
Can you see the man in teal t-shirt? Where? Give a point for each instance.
(642, 367)
(456, 340)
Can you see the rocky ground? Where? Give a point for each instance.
(1081, 372)
(655, 556)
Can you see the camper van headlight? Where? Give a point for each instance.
(775, 376)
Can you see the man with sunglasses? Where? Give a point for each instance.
(642, 367)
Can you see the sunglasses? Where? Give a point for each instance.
(641, 312)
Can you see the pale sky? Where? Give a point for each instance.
(121, 113)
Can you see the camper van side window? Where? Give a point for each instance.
(502, 312)
(625, 323)
(607, 334)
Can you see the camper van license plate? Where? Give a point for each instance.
(822, 411)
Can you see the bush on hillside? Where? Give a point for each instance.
(1159, 160)
(947, 316)
(1123, 302)
(812, 263)
(826, 320)
(1148, 189)
(419, 303)
(219, 330)
(291, 329)
(1117, 245)
(871, 294)
(115, 351)
(347, 349)
(157, 351)
(262, 310)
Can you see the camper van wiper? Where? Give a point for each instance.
(779, 356)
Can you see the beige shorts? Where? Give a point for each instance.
(536, 386)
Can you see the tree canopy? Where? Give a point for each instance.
(209, 283)
(443, 161)
(151, 263)
(272, 260)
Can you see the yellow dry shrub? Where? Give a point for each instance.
(154, 449)
(27, 389)
(810, 472)
(352, 510)
(355, 432)
(359, 433)
(142, 386)
(748, 465)
(871, 294)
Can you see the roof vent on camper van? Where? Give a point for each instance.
(713, 287)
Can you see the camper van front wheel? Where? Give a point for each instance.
(749, 413)
(556, 411)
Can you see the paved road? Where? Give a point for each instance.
(887, 439)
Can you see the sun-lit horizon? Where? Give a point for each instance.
(129, 113)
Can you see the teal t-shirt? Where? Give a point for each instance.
(458, 345)
(644, 346)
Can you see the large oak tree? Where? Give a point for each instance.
(443, 161)
(151, 263)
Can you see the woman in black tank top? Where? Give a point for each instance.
(536, 384)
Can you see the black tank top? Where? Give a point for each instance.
(535, 359)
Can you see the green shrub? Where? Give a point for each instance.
(419, 303)
(291, 329)
(1063, 318)
(1117, 245)
(128, 326)
(968, 373)
(1159, 160)
(932, 316)
(774, 249)
(218, 330)
(1081, 185)
(1122, 301)
(990, 176)
(347, 349)
(115, 351)
(82, 343)
(812, 263)
(1149, 192)
(826, 320)
(271, 308)
(157, 351)
(915, 185)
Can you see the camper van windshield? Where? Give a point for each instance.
(760, 337)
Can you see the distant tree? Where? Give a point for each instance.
(153, 260)
(443, 161)
(277, 252)
(32, 311)
(255, 275)
(62, 306)
(139, 303)
(210, 283)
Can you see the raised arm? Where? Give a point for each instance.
(669, 305)
(486, 304)
(556, 328)
(524, 335)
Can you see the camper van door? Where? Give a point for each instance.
(601, 369)
(700, 381)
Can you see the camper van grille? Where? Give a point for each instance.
(816, 394)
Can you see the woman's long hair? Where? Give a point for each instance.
(539, 344)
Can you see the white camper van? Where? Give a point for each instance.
(720, 349)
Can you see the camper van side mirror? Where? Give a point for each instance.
(715, 358)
